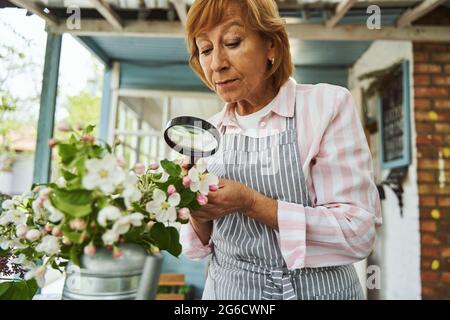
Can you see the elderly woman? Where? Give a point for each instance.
(298, 205)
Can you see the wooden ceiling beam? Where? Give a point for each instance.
(108, 13)
(33, 8)
(422, 9)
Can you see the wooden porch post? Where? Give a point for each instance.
(46, 122)
(106, 105)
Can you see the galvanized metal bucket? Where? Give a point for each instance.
(133, 276)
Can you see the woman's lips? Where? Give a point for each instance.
(226, 84)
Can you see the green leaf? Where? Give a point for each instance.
(98, 151)
(161, 236)
(18, 290)
(76, 203)
(75, 255)
(32, 287)
(175, 246)
(4, 287)
(171, 168)
(67, 152)
(89, 129)
(187, 197)
(108, 148)
(68, 175)
(71, 235)
(73, 139)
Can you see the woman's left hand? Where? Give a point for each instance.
(231, 197)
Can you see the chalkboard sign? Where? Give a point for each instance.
(395, 119)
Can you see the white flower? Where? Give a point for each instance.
(23, 262)
(4, 243)
(8, 205)
(32, 235)
(49, 245)
(175, 224)
(38, 274)
(17, 200)
(200, 180)
(164, 176)
(130, 192)
(124, 223)
(109, 237)
(103, 173)
(5, 218)
(21, 230)
(61, 182)
(55, 214)
(14, 216)
(40, 214)
(108, 213)
(164, 208)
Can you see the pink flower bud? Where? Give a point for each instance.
(89, 138)
(139, 168)
(120, 163)
(33, 235)
(183, 213)
(36, 189)
(48, 227)
(52, 142)
(64, 127)
(213, 187)
(78, 224)
(89, 250)
(56, 232)
(44, 194)
(202, 199)
(185, 164)
(83, 236)
(93, 225)
(153, 166)
(117, 253)
(40, 202)
(171, 189)
(187, 181)
(21, 231)
(66, 241)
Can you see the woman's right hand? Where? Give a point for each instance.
(202, 227)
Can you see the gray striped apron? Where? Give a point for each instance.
(246, 262)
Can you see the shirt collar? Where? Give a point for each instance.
(283, 104)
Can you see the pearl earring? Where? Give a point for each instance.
(272, 60)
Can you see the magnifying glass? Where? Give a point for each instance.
(192, 137)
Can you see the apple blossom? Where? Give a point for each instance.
(202, 199)
(32, 235)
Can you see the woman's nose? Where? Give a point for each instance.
(219, 60)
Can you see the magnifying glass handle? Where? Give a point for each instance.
(192, 161)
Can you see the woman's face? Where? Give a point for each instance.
(234, 60)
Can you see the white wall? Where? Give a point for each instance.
(21, 177)
(398, 248)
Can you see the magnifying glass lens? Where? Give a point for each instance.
(187, 136)
(193, 137)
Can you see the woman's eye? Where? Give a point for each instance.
(233, 44)
(205, 52)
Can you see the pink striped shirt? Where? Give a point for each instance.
(340, 227)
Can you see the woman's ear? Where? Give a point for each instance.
(271, 50)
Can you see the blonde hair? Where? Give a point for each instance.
(259, 15)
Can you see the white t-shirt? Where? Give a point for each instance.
(249, 123)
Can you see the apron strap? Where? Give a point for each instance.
(279, 286)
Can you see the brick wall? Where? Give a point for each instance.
(432, 118)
